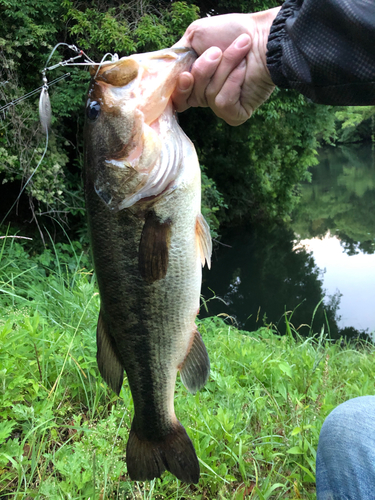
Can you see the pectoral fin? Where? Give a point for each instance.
(195, 369)
(154, 248)
(108, 363)
(203, 235)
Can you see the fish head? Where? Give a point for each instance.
(129, 115)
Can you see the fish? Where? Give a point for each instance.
(149, 242)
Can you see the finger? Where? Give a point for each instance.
(228, 103)
(183, 91)
(183, 42)
(231, 58)
(203, 69)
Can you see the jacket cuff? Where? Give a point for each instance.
(277, 35)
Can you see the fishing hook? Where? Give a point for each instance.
(114, 59)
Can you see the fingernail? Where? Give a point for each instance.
(213, 53)
(242, 41)
(184, 83)
(242, 64)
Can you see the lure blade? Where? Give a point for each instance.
(45, 113)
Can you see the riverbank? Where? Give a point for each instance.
(63, 433)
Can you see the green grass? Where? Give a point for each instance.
(63, 433)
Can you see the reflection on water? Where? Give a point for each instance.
(326, 253)
(340, 199)
(351, 275)
(261, 276)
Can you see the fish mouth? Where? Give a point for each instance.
(134, 96)
(105, 71)
(173, 52)
(142, 81)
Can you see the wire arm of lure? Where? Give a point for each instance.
(114, 59)
(71, 47)
(62, 63)
(45, 111)
(69, 62)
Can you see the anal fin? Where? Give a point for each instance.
(202, 231)
(195, 369)
(108, 363)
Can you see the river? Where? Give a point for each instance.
(319, 269)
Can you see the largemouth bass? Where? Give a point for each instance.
(149, 242)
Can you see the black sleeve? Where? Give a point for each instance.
(325, 49)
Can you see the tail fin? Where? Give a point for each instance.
(149, 459)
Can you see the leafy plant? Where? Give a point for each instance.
(356, 123)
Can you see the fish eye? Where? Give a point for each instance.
(93, 110)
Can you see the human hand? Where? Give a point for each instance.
(231, 75)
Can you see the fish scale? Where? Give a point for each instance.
(149, 242)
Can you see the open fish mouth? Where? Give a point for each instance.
(120, 73)
(173, 53)
(147, 79)
(136, 91)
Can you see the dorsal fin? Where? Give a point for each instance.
(203, 235)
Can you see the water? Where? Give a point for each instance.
(326, 255)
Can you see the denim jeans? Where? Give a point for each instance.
(345, 461)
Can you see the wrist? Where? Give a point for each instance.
(263, 21)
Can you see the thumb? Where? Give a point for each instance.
(182, 92)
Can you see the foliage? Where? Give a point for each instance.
(356, 123)
(209, 7)
(212, 202)
(22, 146)
(127, 27)
(29, 32)
(255, 425)
(251, 172)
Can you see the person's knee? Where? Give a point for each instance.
(345, 462)
(343, 425)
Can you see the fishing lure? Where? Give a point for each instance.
(45, 110)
